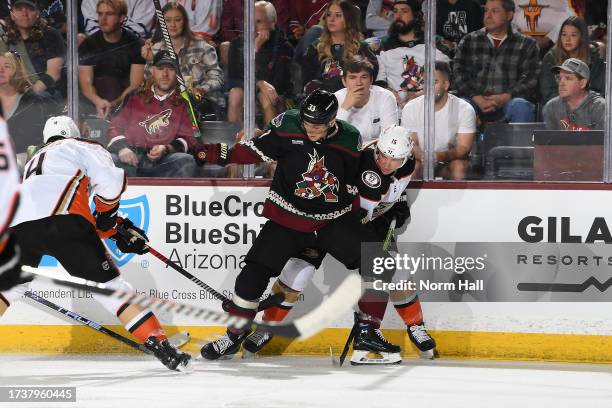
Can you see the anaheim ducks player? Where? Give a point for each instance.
(385, 168)
(151, 135)
(54, 219)
(10, 271)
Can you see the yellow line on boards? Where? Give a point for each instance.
(60, 339)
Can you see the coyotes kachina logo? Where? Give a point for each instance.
(413, 75)
(156, 122)
(317, 180)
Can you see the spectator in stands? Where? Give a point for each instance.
(455, 127)
(456, 18)
(576, 107)
(232, 21)
(497, 68)
(402, 57)
(273, 55)
(573, 42)
(204, 16)
(138, 18)
(304, 15)
(368, 107)
(25, 111)
(110, 64)
(339, 41)
(197, 61)
(379, 16)
(151, 135)
(42, 48)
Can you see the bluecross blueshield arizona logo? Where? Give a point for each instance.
(137, 210)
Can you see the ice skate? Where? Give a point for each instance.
(168, 354)
(224, 347)
(422, 340)
(255, 342)
(370, 347)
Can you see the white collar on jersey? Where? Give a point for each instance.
(161, 97)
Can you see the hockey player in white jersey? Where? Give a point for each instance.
(385, 168)
(54, 219)
(10, 272)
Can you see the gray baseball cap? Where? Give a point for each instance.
(575, 66)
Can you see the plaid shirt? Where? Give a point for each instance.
(199, 67)
(482, 69)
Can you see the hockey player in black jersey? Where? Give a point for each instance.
(385, 169)
(309, 203)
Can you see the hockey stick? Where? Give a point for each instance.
(179, 77)
(272, 300)
(339, 302)
(345, 350)
(389, 237)
(177, 340)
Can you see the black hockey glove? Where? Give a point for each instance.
(129, 238)
(106, 220)
(10, 267)
(400, 211)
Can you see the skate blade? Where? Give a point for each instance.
(362, 357)
(186, 368)
(247, 355)
(427, 355)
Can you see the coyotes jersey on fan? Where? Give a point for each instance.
(63, 174)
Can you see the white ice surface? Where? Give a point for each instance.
(281, 382)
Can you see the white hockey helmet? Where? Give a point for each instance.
(395, 142)
(62, 126)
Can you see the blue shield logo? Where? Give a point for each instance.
(137, 210)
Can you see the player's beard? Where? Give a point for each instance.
(398, 28)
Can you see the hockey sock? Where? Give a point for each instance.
(278, 313)
(143, 324)
(243, 308)
(372, 306)
(409, 309)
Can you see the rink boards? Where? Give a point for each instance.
(209, 228)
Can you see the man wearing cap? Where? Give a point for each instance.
(110, 64)
(41, 48)
(576, 107)
(151, 135)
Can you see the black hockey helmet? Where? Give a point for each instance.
(320, 107)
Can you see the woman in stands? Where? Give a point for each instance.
(340, 40)
(197, 60)
(573, 42)
(25, 111)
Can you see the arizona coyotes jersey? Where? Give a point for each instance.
(314, 182)
(377, 191)
(61, 176)
(9, 179)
